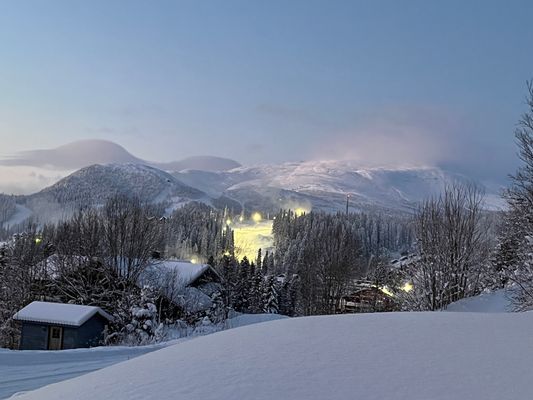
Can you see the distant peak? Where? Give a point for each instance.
(83, 153)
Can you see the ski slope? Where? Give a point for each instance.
(412, 356)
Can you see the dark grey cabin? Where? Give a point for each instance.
(56, 326)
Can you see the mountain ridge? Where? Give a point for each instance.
(83, 153)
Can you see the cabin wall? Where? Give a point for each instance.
(91, 333)
(34, 337)
(70, 338)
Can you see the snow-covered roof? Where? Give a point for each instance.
(184, 272)
(59, 313)
(173, 277)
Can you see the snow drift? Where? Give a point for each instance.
(415, 356)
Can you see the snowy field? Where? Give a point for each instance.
(22, 371)
(412, 356)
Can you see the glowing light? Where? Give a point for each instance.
(256, 217)
(386, 290)
(194, 261)
(407, 287)
(227, 253)
(228, 221)
(241, 218)
(38, 240)
(251, 237)
(299, 212)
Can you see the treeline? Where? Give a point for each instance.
(97, 257)
(7, 208)
(329, 252)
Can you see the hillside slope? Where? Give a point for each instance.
(411, 356)
(325, 184)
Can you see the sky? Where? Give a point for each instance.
(383, 82)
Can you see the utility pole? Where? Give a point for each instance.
(347, 203)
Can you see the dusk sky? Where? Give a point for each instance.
(402, 82)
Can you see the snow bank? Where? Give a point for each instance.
(490, 302)
(415, 356)
(249, 319)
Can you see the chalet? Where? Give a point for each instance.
(366, 298)
(57, 326)
(188, 285)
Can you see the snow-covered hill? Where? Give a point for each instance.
(324, 185)
(30, 171)
(97, 183)
(92, 186)
(411, 356)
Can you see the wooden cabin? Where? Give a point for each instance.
(366, 299)
(57, 326)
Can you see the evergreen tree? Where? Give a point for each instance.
(271, 305)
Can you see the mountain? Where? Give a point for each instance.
(95, 184)
(301, 186)
(92, 186)
(84, 153)
(324, 185)
(202, 163)
(74, 155)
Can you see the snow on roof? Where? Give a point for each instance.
(59, 313)
(183, 272)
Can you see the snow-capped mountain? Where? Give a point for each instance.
(305, 185)
(97, 183)
(323, 185)
(92, 186)
(31, 171)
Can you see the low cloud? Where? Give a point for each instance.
(27, 180)
(401, 137)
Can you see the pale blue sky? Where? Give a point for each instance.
(261, 81)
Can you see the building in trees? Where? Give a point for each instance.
(367, 298)
(453, 248)
(56, 326)
(183, 287)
